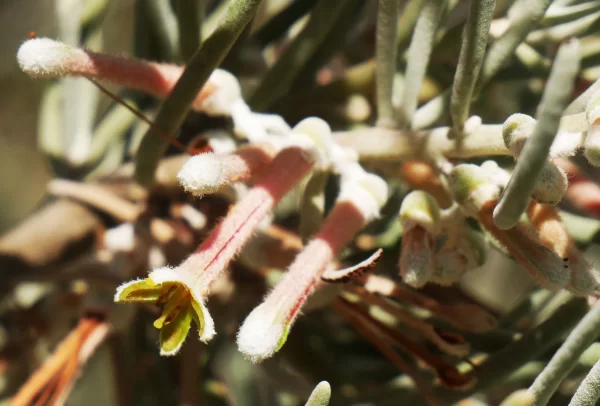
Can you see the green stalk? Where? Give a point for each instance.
(472, 52)
(565, 359)
(190, 14)
(387, 27)
(163, 20)
(198, 70)
(525, 15)
(419, 52)
(558, 90)
(281, 22)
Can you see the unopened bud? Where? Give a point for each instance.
(419, 215)
(515, 131)
(472, 188)
(551, 185)
(552, 182)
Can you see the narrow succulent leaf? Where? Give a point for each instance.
(588, 392)
(320, 396)
(190, 15)
(524, 16)
(561, 32)
(559, 14)
(565, 359)
(471, 57)
(385, 54)
(281, 22)
(418, 56)
(535, 153)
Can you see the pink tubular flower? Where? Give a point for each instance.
(266, 328)
(46, 58)
(182, 289)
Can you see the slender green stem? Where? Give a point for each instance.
(346, 20)
(203, 63)
(565, 359)
(419, 52)
(406, 24)
(472, 52)
(280, 78)
(560, 84)
(190, 14)
(49, 123)
(163, 20)
(281, 22)
(387, 27)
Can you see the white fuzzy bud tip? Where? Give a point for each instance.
(203, 174)
(262, 334)
(44, 57)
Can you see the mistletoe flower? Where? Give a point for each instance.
(477, 194)
(220, 96)
(182, 289)
(265, 330)
(419, 215)
(552, 182)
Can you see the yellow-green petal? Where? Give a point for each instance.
(173, 335)
(138, 291)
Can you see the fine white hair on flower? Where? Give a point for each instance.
(262, 334)
(44, 57)
(203, 174)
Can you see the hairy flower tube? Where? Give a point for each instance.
(552, 182)
(221, 96)
(182, 289)
(419, 215)
(265, 330)
(477, 194)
